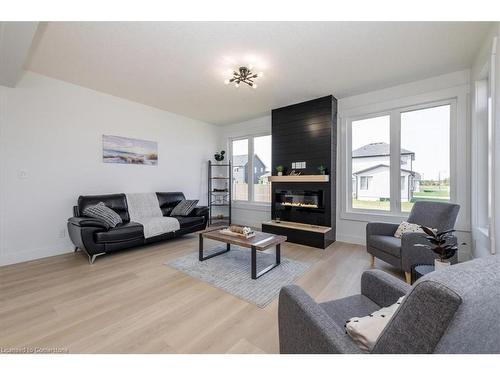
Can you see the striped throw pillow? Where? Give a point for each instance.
(104, 213)
(184, 207)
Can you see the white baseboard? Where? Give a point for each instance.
(358, 240)
(25, 256)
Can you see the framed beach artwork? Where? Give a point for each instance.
(123, 150)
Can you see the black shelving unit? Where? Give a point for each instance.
(219, 192)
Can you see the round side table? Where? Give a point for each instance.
(421, 270)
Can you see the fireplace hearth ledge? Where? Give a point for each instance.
(304, 234)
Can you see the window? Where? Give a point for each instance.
(425, 147)
(262, 158)
(399, 157)
(250, 175)
(482, 156)
(371, 162)
(364, 185)
(239, 150)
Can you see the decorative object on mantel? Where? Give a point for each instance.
(294, 173)
(322, 169)
(123, 150)
(219, 156)
(280, 170)
(244, 75)
(442, 245)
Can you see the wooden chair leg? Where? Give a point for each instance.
(408, 277)
(372, 261)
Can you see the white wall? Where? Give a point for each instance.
(353, 230)
(52, 130)
(481, 236)
(247, 213)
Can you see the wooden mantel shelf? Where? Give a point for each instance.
(300, 178)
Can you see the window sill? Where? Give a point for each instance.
(371, 216)
(483, 231)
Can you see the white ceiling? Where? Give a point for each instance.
(180, 66)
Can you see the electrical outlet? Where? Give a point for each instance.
(22, 174)
(62, 233)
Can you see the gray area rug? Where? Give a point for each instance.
(231, 273)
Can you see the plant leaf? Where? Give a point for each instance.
(449, 231)
(428, 231)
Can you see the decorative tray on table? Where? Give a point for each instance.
(237, 231)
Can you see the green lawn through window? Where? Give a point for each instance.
(426, 193)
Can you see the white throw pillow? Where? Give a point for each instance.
(366, 330)
(406, 227)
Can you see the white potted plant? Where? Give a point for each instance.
(280, 170)
(442, 244)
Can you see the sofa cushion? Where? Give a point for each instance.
(122, 232)
(406, 227)
(168, 201)
(387, 244)
(117, 202)
(343, 309)
(103, 213)
(365, 330)
(184, 207)
(189, 221)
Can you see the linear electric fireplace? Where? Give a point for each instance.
(299, 199)
(300, 204)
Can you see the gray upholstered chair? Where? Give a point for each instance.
(453, 310)
(402, 252)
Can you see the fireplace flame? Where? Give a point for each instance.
(299, 204)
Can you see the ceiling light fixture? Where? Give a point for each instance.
(244, 75)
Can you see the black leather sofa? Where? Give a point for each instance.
(93, 237)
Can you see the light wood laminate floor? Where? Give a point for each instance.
(130, 302)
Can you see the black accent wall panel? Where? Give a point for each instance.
(307, 132)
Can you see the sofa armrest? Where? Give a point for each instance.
(383, 229)
(382, 288)
(412, 255)
(305, 328)
(199, 211)
(83, 221)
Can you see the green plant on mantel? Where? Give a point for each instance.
(280, 169)
(322, 169)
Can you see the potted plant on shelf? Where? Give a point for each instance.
(322, 169)
(280, 170)
(442, 244)
(219, 156)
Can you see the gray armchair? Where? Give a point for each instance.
(453, 310)
(402, 253)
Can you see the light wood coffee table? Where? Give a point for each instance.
(261, 241)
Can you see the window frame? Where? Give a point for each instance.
(393, 110)
(250, 170)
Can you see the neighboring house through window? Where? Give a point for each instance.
(255, 169)
(423, 163)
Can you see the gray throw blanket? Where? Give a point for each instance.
(145, 209)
